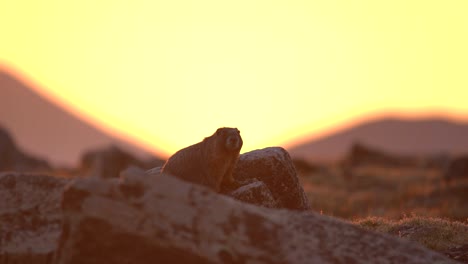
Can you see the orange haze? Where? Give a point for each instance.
(168, 73)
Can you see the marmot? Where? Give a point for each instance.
(210, 162)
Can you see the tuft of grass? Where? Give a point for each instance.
(435, 233)
(374, 223)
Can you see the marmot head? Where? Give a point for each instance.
(231, 140)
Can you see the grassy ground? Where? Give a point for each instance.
(436, 233)
(412, 203)
(445, 236)
(386, 192)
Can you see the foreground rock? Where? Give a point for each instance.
(274, 167)
(13, 159)
(30, 217)
(165, 220)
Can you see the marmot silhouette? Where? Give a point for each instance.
(210, 162)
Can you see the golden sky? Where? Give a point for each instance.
(168, 73)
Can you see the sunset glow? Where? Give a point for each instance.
(168, 73)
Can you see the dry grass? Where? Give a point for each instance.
(386, 192)
(435, 233)
(380, 199)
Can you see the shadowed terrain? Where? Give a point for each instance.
(408, 137)
(44, 129)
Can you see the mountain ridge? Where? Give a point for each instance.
(41, 127)
(423, 136)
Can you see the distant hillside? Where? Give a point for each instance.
(409, 137)
(46, 130)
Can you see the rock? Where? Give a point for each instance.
(457, 169)
(154, 171)
(109, 162)
(439, 161)
(132, 174)
(267, 177)
(360, 155)
(172, 221)
(253, 192)
(256, 193)
(274, 167)
(459, 253)
(30, 217)
(152, 162)
(304, 167)
(13, 159)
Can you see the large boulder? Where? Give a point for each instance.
(266, 177)
(274, 167)
(161, 219)
(13, 159)
(30, 217)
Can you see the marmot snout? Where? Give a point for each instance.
(230, 138)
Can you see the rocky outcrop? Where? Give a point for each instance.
(256, 193)
(109, 162)
(273, 166)
(13, 159)
(152, 218)
(360, 155)
(305, 167)
(456, 169)
(161, 219)
(30, 217)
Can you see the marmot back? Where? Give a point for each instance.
(209, 162)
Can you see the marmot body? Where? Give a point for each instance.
(209, 162)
